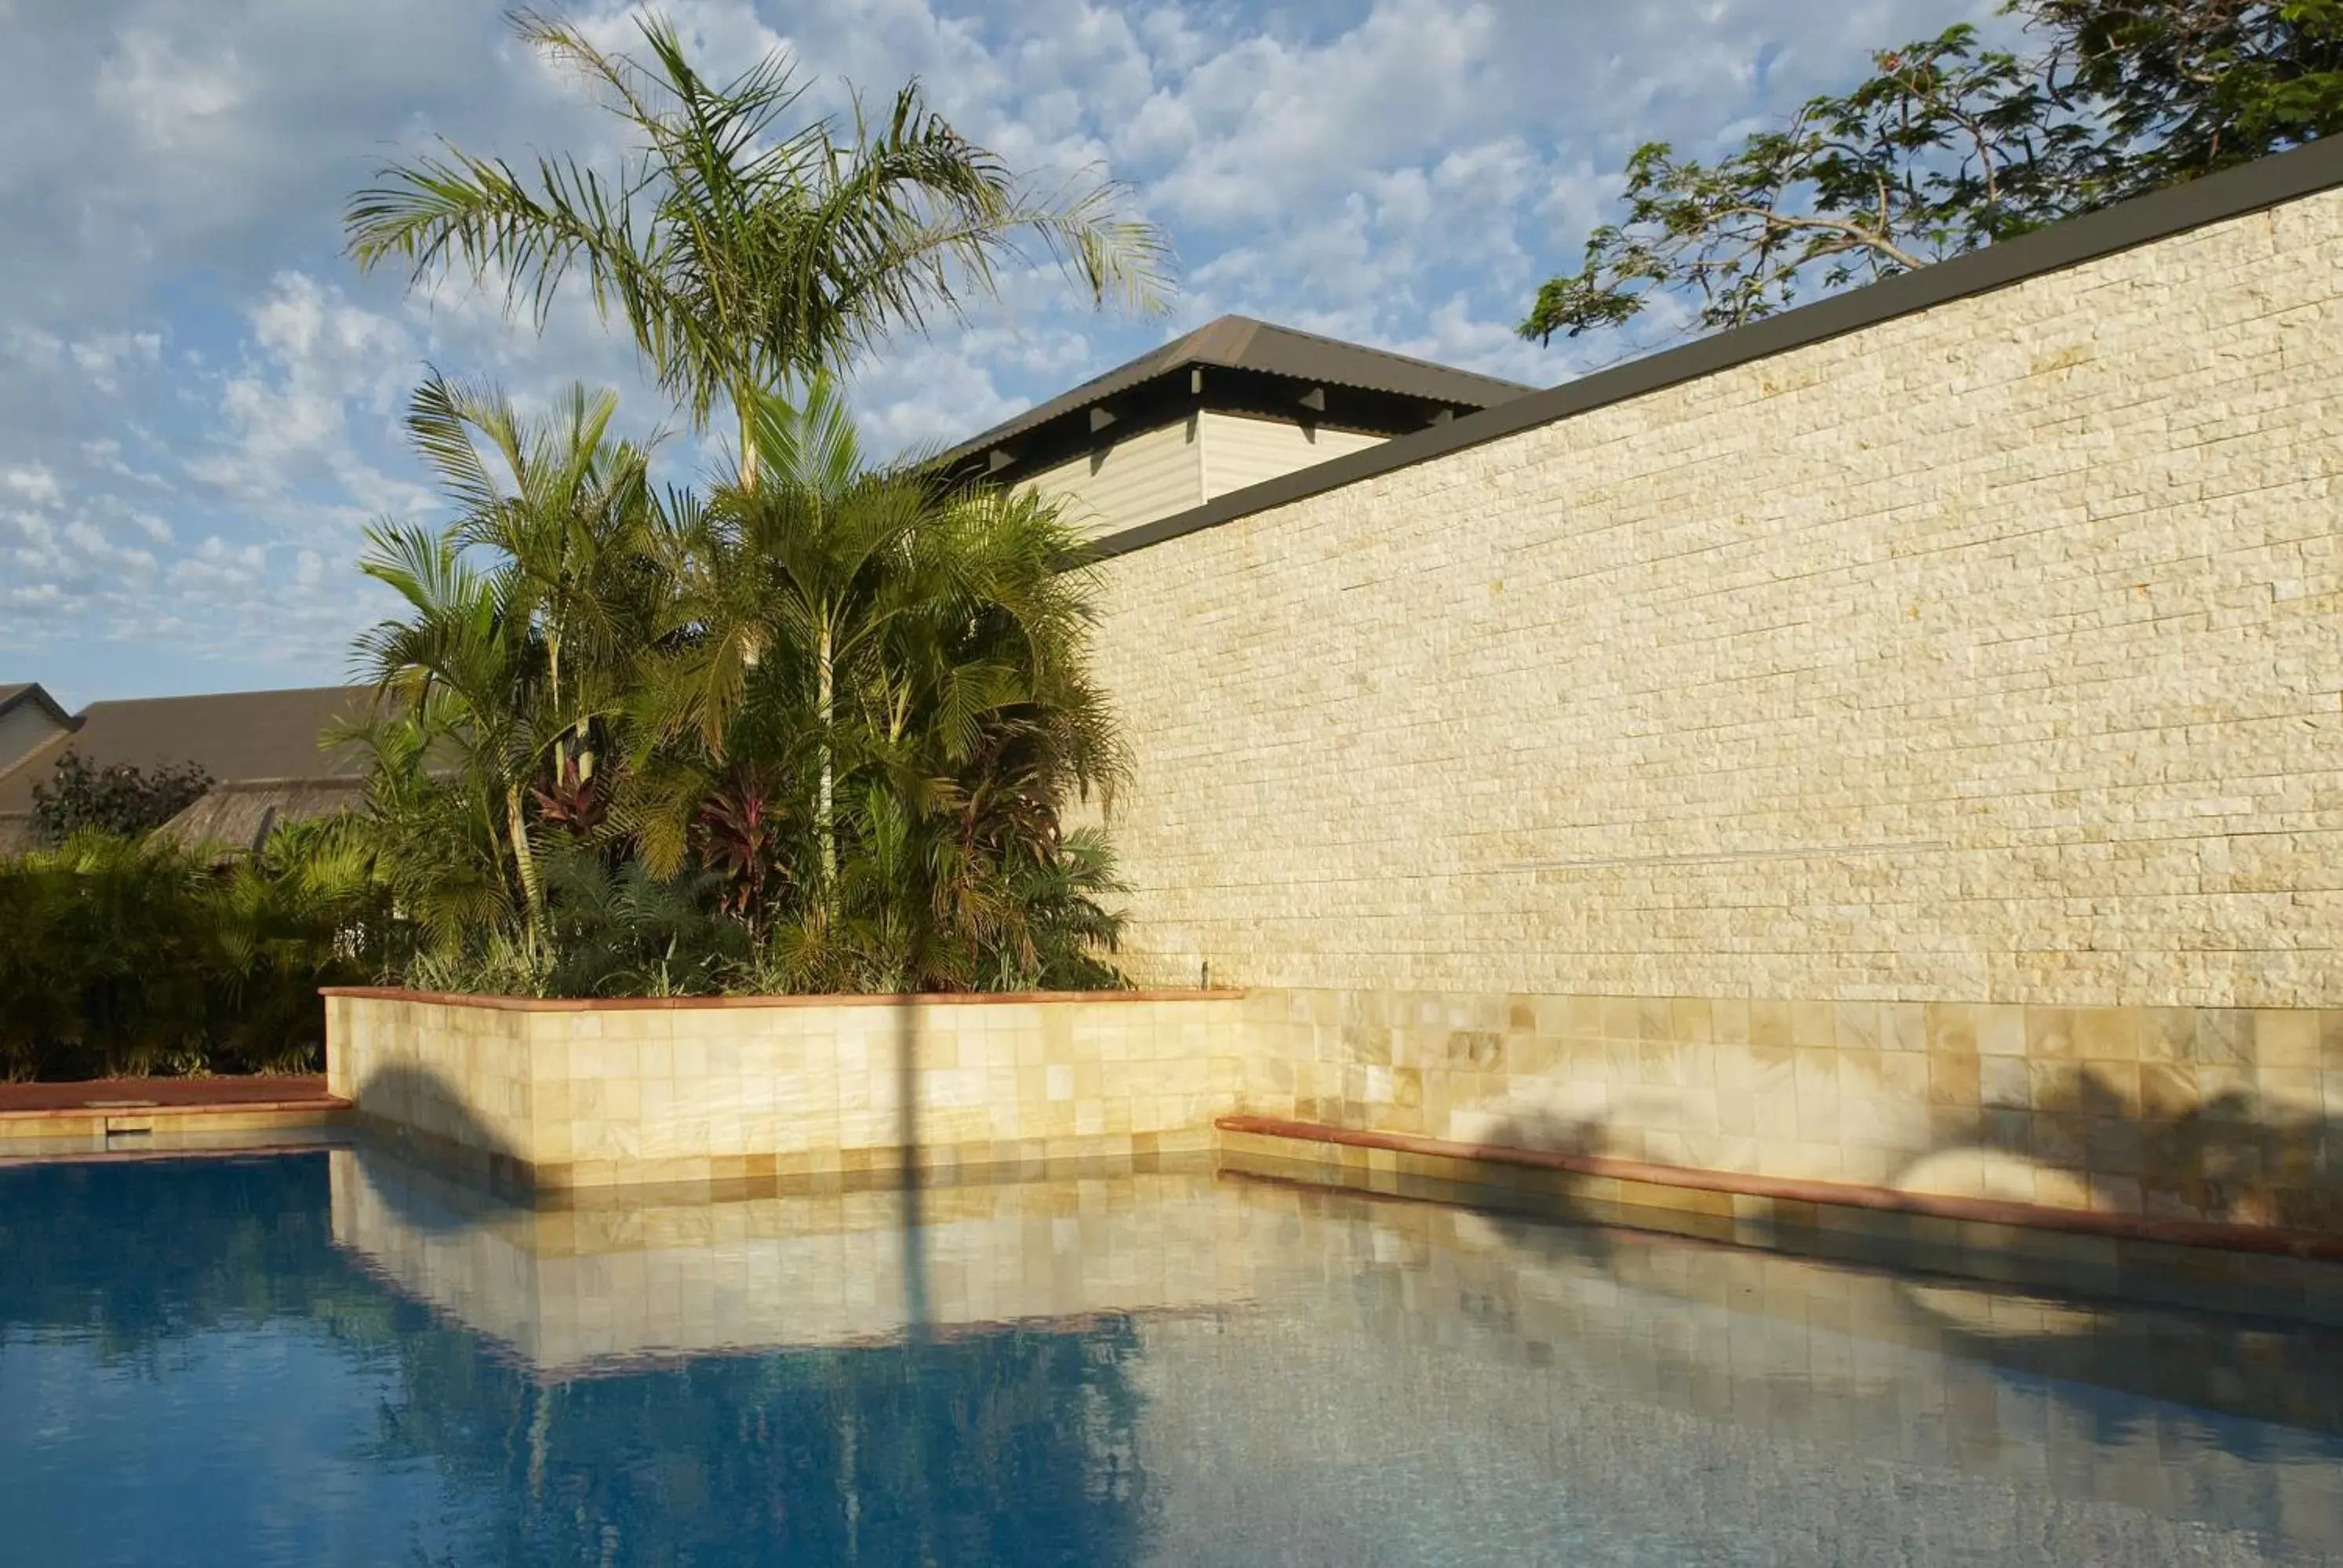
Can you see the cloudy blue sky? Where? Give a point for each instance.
(199, 397)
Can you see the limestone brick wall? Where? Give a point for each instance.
(1991, 654)
(578, 1094)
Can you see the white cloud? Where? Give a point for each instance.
(171, 98)
(188, 357)
(33, 483)
(315, 357)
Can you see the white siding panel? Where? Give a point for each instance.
(1239, 451)
(1147, 475)
(23, 730)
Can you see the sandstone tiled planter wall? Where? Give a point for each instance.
(2233, 1115)
(571, 1093)
(2214, 1114)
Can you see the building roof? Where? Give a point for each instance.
(236, 737)
(1242, 343)
(16, 694)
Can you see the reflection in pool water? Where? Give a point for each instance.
(340, 1358)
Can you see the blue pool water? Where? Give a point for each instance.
(330, 1358)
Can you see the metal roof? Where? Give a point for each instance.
(236, 737)
(1242, 343)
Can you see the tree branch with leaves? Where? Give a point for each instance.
(1950, 146)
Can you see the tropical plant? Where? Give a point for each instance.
(118, 797)
(501, 683)
(130, 956)
(746, 243)
(910, 653)
(1950, 146)
(815, 732)
(835, 711)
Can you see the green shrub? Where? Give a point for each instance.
(118, 798)
(125, 956)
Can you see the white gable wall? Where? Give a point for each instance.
(1240, 451)
(1146, 475)
(23, 730)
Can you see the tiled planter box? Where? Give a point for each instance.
(566, 1094)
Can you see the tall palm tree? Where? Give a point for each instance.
(746, 245)
(508, 672)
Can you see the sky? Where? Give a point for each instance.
(200, 395)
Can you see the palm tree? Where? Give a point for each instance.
(747, 249)
(907, 653)
(507, 676)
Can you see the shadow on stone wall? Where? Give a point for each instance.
(2236, 1157)
(425, 1118)
(2150, 1148)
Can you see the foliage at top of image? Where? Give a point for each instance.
(1950, 146)
(118, 798)
(746, 243)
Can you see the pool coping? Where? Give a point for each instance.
(1680, 1186)
(105, 1109)
(497, 1003)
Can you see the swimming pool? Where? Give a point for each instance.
(339, 1357)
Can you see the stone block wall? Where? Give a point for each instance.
(569, 1094)
(1988, 655)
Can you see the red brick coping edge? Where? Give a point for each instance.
(2218, 1234)
(687, 1004)
(167, 1097)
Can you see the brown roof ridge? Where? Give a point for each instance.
(1346, 345)
(119, 702)
(233, 736)
(281, 781)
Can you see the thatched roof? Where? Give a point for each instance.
(239, 816)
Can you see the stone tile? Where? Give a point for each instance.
(2224, 1038)
(2050, 1034)
(2287, 1038)
(1953, 1080)
(1951, 1029)
(2107, 1034)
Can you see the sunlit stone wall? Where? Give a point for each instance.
(564, 1093)
(1988, 655)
